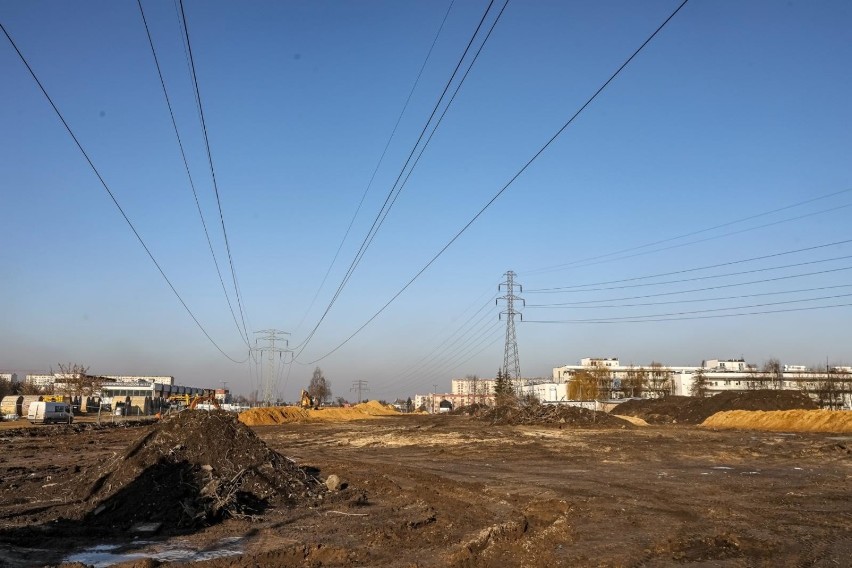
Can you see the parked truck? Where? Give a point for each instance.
(50, 412)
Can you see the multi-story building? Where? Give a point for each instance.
(158, 379)
(9, 377)
(831, 387)
(40, 380)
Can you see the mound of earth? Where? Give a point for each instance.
(193, 469)
(692, 410)
(835, 421)
(271, 415)
(550, 415)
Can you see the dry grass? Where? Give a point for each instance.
(836, 421)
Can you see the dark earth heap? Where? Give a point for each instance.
(527, 412)
(691, 410)
(190, 470)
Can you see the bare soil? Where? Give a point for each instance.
(454, 491)
(691, 410)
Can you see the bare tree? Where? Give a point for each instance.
(659, 379)
(635, 381)
(75, 380)
(319, 388)
(773, 373)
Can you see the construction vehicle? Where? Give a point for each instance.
(307, 402)
(181, 399)
(209, 398)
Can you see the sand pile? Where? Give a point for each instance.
(286, 414)
(550, 415)
(691, 410)
(273, 415)
(194, 469)
(836, 421)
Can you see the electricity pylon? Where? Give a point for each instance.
(269, 380)
(511, 362)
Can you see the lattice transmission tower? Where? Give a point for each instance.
(269, 379)
(511, 362)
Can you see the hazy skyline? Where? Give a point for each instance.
(735, 113)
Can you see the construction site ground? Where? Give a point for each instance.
(444, 490)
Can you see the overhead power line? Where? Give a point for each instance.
(381, 214)
(212, 170)
(678, 315)
(699, 278)
(587, 260)
(113, 198)
(705, 289)
(506, 186)
(378, 165)
(685, 301)
(188, 173)
(687, 270)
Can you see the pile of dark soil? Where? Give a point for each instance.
(550, 415)
(691, 410)
(194, 469)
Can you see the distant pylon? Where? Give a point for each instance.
(511, 362)
(269, 379)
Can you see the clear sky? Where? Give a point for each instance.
(734, 123)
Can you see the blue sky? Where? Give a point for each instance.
(735, 109)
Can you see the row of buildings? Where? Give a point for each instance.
(113, 388)
(607, 381)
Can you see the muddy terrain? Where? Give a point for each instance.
(431, 491)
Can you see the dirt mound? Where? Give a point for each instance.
(273, 415)
(194, 469)
(269, 416)
(836, 421)
(550, 415)
(692, 410)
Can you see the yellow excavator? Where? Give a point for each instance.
(208, 398)
(307, 402)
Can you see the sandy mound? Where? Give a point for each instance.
(286, 414)
(190, 470)
(837, 421)
(691, 410)
(549, 415)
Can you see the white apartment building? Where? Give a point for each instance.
(157, 379)
(832, 389)
(40, 380)
(9, 377)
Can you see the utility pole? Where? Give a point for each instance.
(270, 380)
(359, 386)
(511, 362)
(434, 395)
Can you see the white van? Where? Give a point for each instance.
(47, 412)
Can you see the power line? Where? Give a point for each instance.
(507, 185)
(188, 174)
(705, 289)
(687, 270)
(378, 165)
(380, 217)
(212, 170)
(675, 316)
(688, 301)
(113, 198)
(699, 278)
(693, 233)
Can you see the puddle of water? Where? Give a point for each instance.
(721, 467)
(104, 555)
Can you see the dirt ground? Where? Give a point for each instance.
(455, 491)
